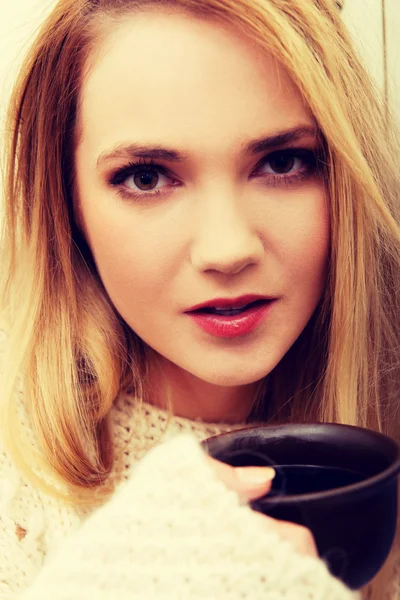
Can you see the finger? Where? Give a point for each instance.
(300, 537)
(249, 482)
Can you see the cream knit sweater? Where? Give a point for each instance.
(172, 530)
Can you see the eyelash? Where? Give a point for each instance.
(312, 160)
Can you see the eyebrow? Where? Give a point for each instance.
(251, 148)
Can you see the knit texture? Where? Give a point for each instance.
(171, 530)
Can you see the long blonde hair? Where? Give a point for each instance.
(68, 347)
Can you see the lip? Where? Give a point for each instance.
(225, 326)
(231, 302)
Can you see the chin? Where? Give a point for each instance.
(234, 377)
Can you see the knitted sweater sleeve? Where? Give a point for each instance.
(174, 531)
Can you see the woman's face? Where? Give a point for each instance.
(225, 220)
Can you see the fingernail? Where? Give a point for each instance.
(255, 476)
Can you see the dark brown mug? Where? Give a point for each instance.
(339, 481)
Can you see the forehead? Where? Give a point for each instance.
(167, 76)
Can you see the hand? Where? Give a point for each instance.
(253, 482)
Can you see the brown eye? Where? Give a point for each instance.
(146, 179)
(142, 180)
(282, 163)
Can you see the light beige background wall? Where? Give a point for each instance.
(393, 52)
(18, 21)
(364, 18)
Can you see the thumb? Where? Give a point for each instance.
(249, 482)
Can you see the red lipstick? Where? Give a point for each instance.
(231, 317)
(230, 302)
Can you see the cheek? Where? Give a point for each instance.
(134, 261)
(305, 241)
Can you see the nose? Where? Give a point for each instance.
(224, 238)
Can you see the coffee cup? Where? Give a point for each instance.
(339, 481)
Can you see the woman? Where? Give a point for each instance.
(163, 156)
